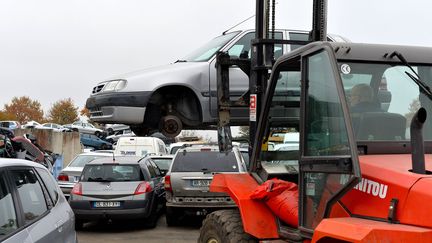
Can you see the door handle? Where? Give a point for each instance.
(59, 225)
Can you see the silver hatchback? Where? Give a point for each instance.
(32, 207)
(125, 188)
(188, 179)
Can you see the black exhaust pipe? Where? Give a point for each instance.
(417, 147)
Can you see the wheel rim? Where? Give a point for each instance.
(212, 240)
(170, 126)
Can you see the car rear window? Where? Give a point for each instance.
(111, 173)
(162, 163)
(82, 160)
(211, 161)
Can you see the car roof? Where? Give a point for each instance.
(107, 154)
(200, 148)
(118, 159)
(167, 156)
(6, 162)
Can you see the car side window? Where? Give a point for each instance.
(8, 218)
(50, 184)
(156, 168)
(242, 48)
(151, 170)
(30, 192)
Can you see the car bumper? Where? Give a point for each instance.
(118, 107)
(66, 189)
(129, 210)
(202, 205)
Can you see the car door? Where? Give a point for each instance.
(35, 204)
(60, 209)
(239, 81)
(155, 178)
(11, 228)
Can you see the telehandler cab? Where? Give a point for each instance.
(363, 175)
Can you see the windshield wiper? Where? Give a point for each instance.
(180, 61)
(422, 85)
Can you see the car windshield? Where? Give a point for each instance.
(163, 163)
(383, 99)
(82, 160)
(205, 52)
(211, 161)
(111, 173)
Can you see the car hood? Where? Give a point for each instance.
(155, 77)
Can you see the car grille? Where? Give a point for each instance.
(98, 88)
(96, 111)
(204, 199)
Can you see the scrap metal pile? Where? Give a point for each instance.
(24, 147)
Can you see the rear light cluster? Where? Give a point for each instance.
(167, 183)
(62, 177)
(143, 187)
(77, 189)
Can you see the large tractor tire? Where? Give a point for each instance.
(224, 226)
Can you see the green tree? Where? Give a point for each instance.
(24, 109)
(63, 112)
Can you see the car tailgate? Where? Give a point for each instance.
(109, 190)
(190, 184)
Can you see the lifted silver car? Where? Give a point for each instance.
(182, 94)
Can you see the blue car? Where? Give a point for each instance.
(90, 140)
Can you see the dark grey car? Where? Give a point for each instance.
(124, 188)
(32, 207)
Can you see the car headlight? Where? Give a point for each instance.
(115, 85)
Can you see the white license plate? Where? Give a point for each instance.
(201, 183)
(76, 178)
(106, 204)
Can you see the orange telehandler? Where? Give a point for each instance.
(363, 175)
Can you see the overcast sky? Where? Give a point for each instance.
(56, 49)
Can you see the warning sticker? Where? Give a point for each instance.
(252, 107)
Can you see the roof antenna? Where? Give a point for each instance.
(223, 33)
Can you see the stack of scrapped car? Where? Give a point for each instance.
(188, 179)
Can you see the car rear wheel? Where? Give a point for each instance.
(151, 221)
(172, 216)
(224, 226)
(79, 224)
